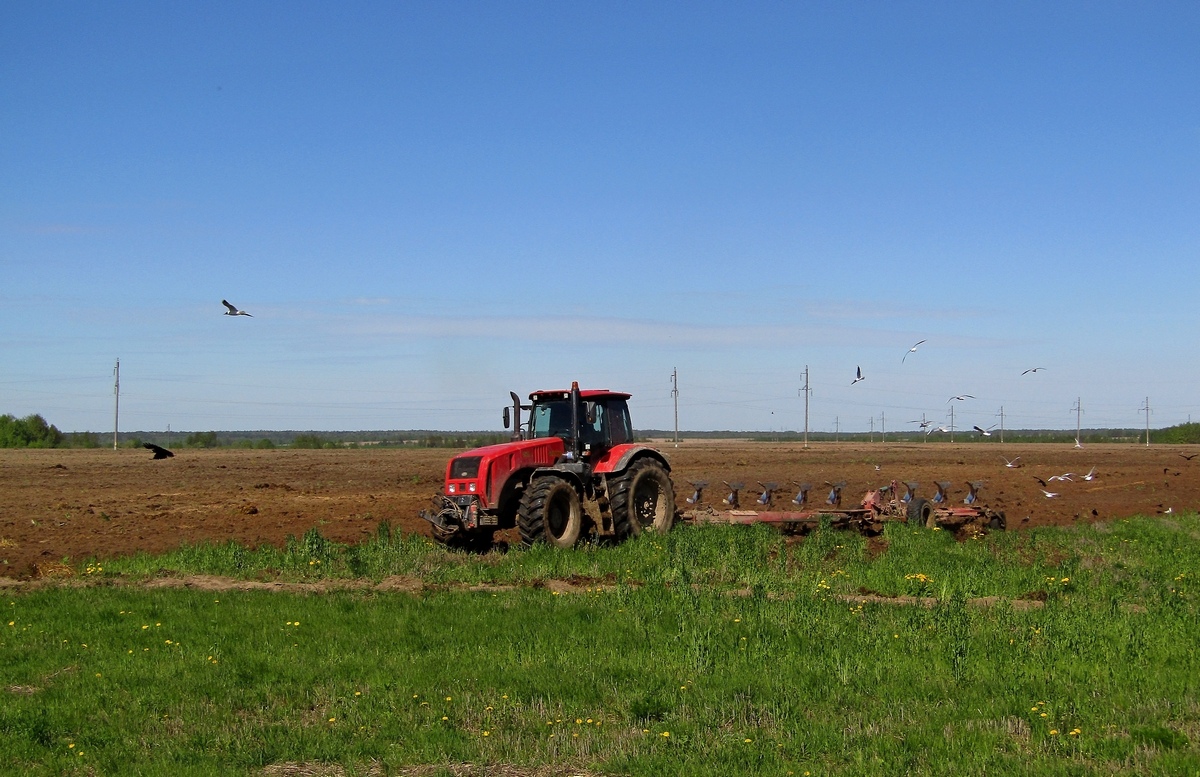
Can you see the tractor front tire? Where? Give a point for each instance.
(643, 498)
(550, 512)
(920, 513)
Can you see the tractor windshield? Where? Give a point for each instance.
(551, 419)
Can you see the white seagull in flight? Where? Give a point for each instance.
(857, 379)
(911, 350)
(960, 397)
(233, 311)
(1032, 369)
(1011, 464)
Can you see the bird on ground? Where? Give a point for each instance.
(1091, 475)
(911, 350)
(1032, 369)
(159, 452)
(232, 311)
(1011, 464)
(858, 378)
(960, 397)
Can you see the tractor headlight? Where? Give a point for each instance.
(471, 487)
(452, 488)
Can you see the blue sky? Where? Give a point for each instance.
(425, 205)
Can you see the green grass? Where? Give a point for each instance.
(708, 651)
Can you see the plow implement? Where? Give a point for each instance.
(877, 507)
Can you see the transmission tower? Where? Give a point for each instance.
(116, 401)
(675, 396)
(806, 390)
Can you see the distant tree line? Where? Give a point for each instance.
(32, 431)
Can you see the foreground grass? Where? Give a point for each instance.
(710, 651)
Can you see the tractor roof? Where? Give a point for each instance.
(586, 394)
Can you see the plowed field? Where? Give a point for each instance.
(80, 504)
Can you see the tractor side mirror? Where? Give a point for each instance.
(507, 417)
(589, 413)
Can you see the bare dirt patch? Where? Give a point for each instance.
(73, 505)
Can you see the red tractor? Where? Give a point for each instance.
(571, 472)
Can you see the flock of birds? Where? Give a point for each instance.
(927, 426)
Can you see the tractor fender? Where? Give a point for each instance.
(620, 460)
(566, 475)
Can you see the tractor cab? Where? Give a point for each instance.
(599, 421)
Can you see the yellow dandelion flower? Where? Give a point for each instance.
(71, 745)
(332, 720)
(1053, 732)
(666, 734)
(487, 733)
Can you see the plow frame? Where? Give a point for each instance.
(878, 506)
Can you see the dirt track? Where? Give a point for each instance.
(80, 504)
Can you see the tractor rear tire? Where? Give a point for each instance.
(920, 513)
(643, 498)
(550, 512)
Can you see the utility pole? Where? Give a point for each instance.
(1001, 414)
(1078, 420)
(806, 391)
(837, 429)
(116, 401)
(675, 396)
(872, 428)
(883, 427)
(1146, 409)
(951, 423)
